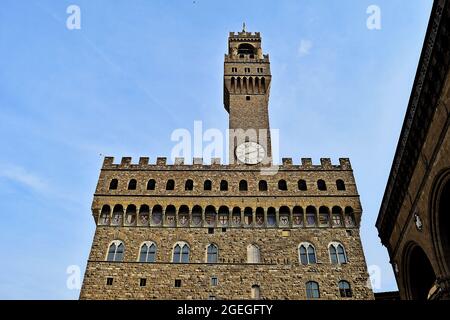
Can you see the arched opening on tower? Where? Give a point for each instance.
(246, 48)
(419, 275)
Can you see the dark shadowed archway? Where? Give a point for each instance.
(419, 276)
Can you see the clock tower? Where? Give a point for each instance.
(247, 80)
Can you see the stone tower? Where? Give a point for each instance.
(215, 231)
(246, 97)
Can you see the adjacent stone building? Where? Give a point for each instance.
(242, 230)
(414, 219)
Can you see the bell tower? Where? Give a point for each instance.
(247, 80)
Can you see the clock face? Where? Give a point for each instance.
(250, 153)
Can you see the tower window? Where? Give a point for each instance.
(247, 98)
(223, 185)
(243, 185)
(340, 185)
(109, 281)
(151, 184)
(246, 69)
(177, 283)
(246, 48)
(113, 184)
(214, 281)
(262, 185)
(233, 69)
(302, 185)
(210, 230)
(189, 186)
(142, 282)
(170, 185)
(207, 185)
(282, 185)
(132, 184)
(321, 185)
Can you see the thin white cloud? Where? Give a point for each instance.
(305, 47)
(21, 175)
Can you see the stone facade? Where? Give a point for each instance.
(413, 222)
(257, 220)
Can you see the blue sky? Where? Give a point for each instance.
(137, 70)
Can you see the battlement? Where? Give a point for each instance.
(215, 163)
(235, 58)
(244, 34)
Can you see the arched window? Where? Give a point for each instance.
(282, 185)
(297, 213)
(181, 253)
(324, 216)
(248, 216)
(212, 254)
(307, 253)
(284, 216)
(157, 215)
(337, 216)
(197, 216)
(262, 185)
(321, 185)
(236, 216)
(207, 185)
(117, 215)
(183, 215)
(144, 215)
(151, 184)
(224, 214)
(170, 215)
(349, 217)
(340, 185)
(115, 251)
(302, 185)
(170, 185)
(246, 48)
(105, 215)
(271, 217)
(113, 184)
(148, 252)
(256, 292)
(345, 290)
(210, 216)
(223, 185)
(337, 253)
(132, 184)
(243, 185)
(259, 214)
(130, 217)
(312, 290)
(253, 254)
(310, 216)
(189, 185)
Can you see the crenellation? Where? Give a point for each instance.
(161, 161)
(179, 161)
(143, 161)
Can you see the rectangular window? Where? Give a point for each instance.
(142, 282)
(177, 283)
(212, 298)
(224, 229)
(247, 98)
(210, 230)
(214, 281)
(109, 281)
